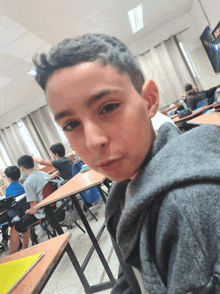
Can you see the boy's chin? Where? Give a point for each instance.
(116, 177)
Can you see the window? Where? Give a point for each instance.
(27, 139)
(189, 61)
(5, 160)
(60, 131)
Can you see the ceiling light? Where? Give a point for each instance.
(32, 72)
(136, 18)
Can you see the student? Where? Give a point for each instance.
(15, 188)
(33, 187)
(193, 97)
(60, 162)
(163, 210)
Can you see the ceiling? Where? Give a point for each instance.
(30, 26)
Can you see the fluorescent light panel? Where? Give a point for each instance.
(136, 18)
(32, 72)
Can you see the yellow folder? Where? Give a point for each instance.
(12, 272)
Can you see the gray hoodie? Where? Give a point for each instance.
(169, 228)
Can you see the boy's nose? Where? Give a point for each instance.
(96, 137)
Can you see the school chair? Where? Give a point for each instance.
(3, 246)
(48, 189)
(89, 196)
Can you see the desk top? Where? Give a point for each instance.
(47, 169)
(17, 199)
(207, 118)
(54, 174)
(52, 249)
(78, 183)
(177, 119)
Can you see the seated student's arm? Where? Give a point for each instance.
(32, 210)
(31, 197)
(42, 162)
(210, 92)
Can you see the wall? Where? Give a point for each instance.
(194, 22)
(208, 78)
(191, 40)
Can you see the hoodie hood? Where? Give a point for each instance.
(174, 160)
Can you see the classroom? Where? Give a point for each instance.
(69, 225)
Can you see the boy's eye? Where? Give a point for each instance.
(70, 126)
(109, 108)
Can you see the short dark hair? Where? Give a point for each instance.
(26, 161)
(188, 87)
(13, 172)
(89, 47)
(58, 148)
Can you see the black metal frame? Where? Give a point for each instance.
(95, 246)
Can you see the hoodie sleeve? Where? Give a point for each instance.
(121, 286)
(126, 282)
(187, 246)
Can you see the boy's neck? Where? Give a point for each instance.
(29, 171)
(154, 134)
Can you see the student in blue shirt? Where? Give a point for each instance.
(13, 174)
(15, 188)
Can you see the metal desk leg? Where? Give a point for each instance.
(69, 250)
(93, 239)
(102, 194)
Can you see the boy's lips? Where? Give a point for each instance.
(109, 163)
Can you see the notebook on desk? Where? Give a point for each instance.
(12, 272)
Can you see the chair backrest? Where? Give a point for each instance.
(75, 169)
(202, 103)
(48, 189)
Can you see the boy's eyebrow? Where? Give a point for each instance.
(60, 114)
(94, 98)
(97, 96)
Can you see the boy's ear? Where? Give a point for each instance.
(151, 94)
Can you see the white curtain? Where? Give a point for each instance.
(41, 129)
(45, 133)
(164, 64)
(13, 143)
(32, 130)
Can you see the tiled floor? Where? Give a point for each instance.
(64, 279)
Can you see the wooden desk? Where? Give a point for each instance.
(48, 169)
(38, 276)
(209, 118)
(80, 183)
(195, 112)
(54, 174)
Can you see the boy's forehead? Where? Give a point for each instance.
(83, 70)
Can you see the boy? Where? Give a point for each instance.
(33, 187)
(15, 188)
(163, 211)
(193, 97)
(60, 162)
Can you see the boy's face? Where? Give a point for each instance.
(54, 156)
(106, 121)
